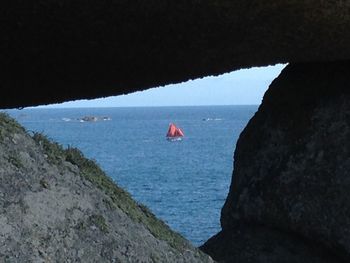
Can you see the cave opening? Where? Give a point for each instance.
(186, 183)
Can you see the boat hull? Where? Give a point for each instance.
(174, 139)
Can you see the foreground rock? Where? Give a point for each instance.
(289, 199)
(64, 50)
(57, 206)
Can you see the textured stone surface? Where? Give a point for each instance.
(260, 244)
(53, 210)
(55, 50)
(291, 170)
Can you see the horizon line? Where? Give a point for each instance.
(132, 106)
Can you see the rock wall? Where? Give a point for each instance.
(57, 206)
(56, 50)
(289, 198)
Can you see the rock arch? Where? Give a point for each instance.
(57, 50)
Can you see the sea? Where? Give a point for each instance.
(184, 183)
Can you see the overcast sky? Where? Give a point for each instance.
(242, 87)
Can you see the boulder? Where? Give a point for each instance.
(291, 180)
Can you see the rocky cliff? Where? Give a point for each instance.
(57, 206)
(289, 199)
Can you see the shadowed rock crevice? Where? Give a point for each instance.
(291, 170)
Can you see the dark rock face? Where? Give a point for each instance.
(58, 50)
(291, 173)
(57, 206)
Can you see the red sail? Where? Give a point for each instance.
(179, 132)
(173, 131)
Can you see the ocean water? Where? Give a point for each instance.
(184, 183)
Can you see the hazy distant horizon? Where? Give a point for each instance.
(242, 87)
(146, 106)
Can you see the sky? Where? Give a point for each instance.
(242, 87)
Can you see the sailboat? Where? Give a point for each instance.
(174, 133)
